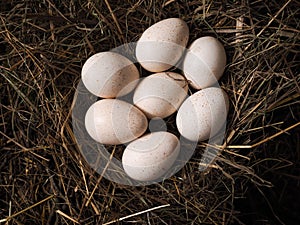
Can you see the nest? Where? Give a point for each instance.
(44, 178)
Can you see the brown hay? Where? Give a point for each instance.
(44, 179)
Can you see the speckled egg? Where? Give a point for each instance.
(203, 114)
(112, 121)
(204, 62)
(109, 74)
(151, 156)
(162, 45)
(160, 94)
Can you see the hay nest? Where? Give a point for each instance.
(44, 179)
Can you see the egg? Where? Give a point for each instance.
(112, 121)
(160, 94)
(109, 74)
(204, 62)
(162, 45)
(203, 114)
(151, 156)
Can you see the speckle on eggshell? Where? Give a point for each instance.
(160, 94)
(162, 45)
(151, 156)
(112, 121)
(203, 114)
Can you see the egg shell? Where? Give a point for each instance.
(162, 45)
(160, 94)
(112, 121)
(151, 156)
(203, 114)
(109, 74)
(204, 62)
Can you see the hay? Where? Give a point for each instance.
(44, 179)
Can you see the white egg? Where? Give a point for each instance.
(151, 156)
(160, 94)
(204, 62)
(109, 74)
(112, 121)
(203, 114)
(162, 45)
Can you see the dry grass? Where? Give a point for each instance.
(44, 179)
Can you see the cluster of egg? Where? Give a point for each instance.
(112, 121)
